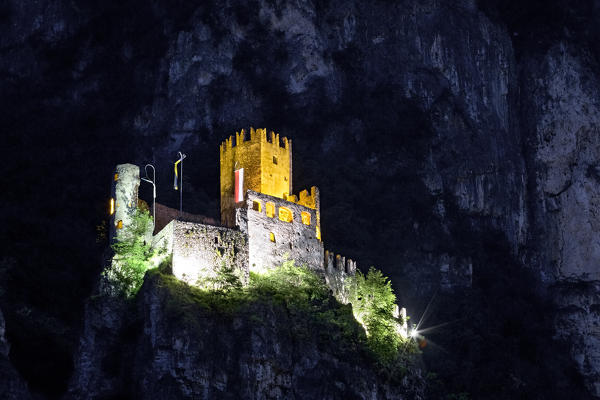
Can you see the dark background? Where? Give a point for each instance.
(87, 85)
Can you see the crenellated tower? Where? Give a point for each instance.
(257, 161)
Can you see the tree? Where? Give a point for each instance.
(132, 255)
(374, 308)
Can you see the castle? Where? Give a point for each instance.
(262, 222)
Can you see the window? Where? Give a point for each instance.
(272, 237)
(120, 224)
(116, 177)
(285, 214)
(270, 209)
(305, 218)
(318, 233)
(256, 206)
(275, 160)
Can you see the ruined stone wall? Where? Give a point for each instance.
(199, 251)
(272, 238)
(339, 276)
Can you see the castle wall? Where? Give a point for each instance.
(272, 240)
(165, 214)
(339, 276)
(199, 251)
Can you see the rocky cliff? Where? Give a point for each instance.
(455, 145)
(173, 344)
(12, 385)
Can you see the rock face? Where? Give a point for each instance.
(563, 112)
(175, 350)
(12, 386)
(453, 150)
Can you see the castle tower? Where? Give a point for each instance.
(261, 162)
(124, 197)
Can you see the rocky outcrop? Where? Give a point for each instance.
(563, 113)
(12, 386)
(175, 347)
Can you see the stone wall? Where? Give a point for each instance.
(339, 275)
(165, 214)
(199, 251)
(273, 240)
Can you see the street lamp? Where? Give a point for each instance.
(153, 182)
(180, 186)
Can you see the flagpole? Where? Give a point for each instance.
(180, 161)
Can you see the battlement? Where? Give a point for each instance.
(256, 160)
(339, 275)
(261, 136)
(310, 200)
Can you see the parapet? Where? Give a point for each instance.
(310, 200)
(339, 275)
(335, 262)
(255, 136)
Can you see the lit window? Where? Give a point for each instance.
(305, 218)
(116, 177)
(318, 233)
(120, 224)
(112, 206)
(285, 214)
(270, 210)
(256, 206)
(272, 237)
(275, 160)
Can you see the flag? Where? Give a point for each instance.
(239, 185)
(175, 186)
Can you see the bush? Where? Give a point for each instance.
(374, 308)
(132, 256)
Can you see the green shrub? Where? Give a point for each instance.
(132, 255)
(374, 307)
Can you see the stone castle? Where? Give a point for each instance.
(262, 222)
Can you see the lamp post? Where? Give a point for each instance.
(153, 182)
(180, 187)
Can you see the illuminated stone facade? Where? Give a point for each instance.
(267, 164)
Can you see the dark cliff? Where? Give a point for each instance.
(176, 342)
(455, 145)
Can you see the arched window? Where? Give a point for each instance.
(285, 214)
(270, 209)
(305, 218)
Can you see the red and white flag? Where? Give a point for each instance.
(239, 185)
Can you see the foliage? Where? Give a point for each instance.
(374, 307)
(132, 255)
(225, 281)
(297, 285)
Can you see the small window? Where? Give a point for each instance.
(318, 233)
(275, 160)
(112, 206)
(120, 224)
(272, 237)
(116, 177)
(256, 206)
(270, 210)
(285, 214)
(305, 218)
